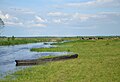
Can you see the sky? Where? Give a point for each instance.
(24, 18)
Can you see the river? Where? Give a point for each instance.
(8, 55)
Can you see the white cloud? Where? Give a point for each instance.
(7, 16)
(111, 13)
(22, 10)
(8, 23)
(82, 17)
(86, 21)
(34, 23)
(4, 16)
(56, 14)
(96, 3)
(1, 15)
(101, 15)
(10, 20)
(57, 21)
(98, 19)
(39, 19)
(65, 19)
(37, 25)
(58, 18)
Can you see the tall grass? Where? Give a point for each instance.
(16, 41)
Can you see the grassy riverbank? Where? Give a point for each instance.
(16, 41)
(98, 61)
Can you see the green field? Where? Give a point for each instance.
(98, 61)
(15, 41)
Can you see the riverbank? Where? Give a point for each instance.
(6, 41)
(15, 41)
(98, 61)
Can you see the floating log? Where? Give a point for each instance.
(41, 61)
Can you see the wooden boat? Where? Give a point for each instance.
(41, 61)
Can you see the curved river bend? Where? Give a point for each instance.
(8, 55)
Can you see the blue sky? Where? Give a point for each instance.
(60, 17)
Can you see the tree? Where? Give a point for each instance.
(1, 25)
(13, 38)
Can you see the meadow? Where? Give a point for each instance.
(98, 61)
(6, 41)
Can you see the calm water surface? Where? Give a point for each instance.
(8, 55)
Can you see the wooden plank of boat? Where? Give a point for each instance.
(41, 61)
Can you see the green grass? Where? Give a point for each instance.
(16, 41)
(58, 49)
(61, 47)
(98, 61)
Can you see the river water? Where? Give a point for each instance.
(8, 55)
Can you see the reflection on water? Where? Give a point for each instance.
(8, 55)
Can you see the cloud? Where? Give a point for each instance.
(22, 10)
(2, 15)
(66, 18)
(85, 21)
(57, 21)
(8, 23)
(6, 16)
(95, 3)
(37, 25)
(39, 19)
(101, 15)
(81, 17)
(95, 20)
(34, 23)
(56, 14)
(10, 20)
(63, 19)
(58, 18)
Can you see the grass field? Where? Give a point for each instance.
(16, 41)
(98, 61)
